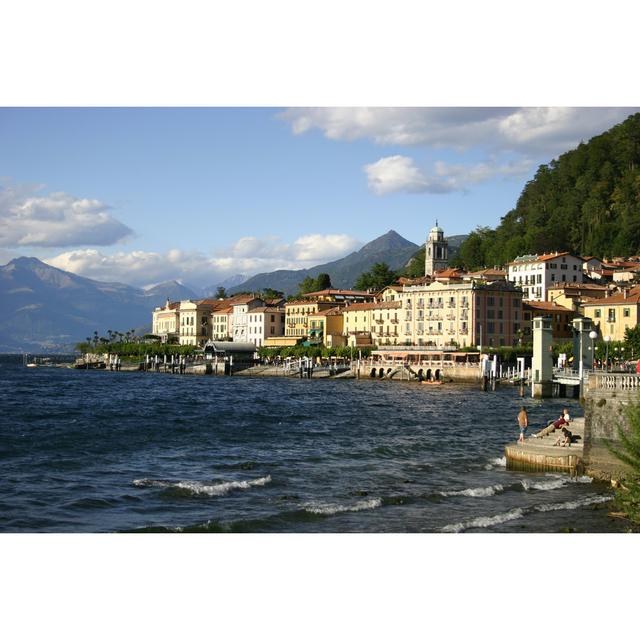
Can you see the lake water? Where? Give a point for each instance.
(99, 451)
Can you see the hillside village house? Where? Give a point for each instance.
(535, 274)
(572, 294)
(612, 316)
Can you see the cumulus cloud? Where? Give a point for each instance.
(544, 131)
(57, 219)
(249, 255)
(400, 173)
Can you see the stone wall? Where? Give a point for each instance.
(606, 399)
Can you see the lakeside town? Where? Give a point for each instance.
(446, 309)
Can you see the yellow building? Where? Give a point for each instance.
(374, 323)
(327, 327)
(297, 315)
(613, 315)
(195, 321)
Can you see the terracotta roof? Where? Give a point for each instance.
(633, 297)
(334, 311)
(366, 306)
(450, 272)
(546, 306)
(338, 292)
(242, 299)
(488, 272)
(412, 281)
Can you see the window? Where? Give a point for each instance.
(539, 280)
(490, 301)
(626, 312)
(597, 313)
(611, 316)
(490, 327)
(491, 314)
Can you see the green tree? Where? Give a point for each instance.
(221, 292)
(270, 293)
(377, 279)
(308, 285)
(323, 281)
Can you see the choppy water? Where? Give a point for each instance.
(103, 451)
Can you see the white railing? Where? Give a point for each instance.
(620, 381)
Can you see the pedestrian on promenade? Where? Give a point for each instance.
(523, 423)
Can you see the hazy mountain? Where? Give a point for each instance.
(172, 289)
(47, 309)
(228, 283)
(391, 248)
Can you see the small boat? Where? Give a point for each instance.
(435, 382)
(31, 364)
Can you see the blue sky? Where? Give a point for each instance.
(142, 195)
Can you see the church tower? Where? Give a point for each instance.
(436, 253)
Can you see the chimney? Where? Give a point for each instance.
(625, 293)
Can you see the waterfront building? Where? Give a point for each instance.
(572, 294)
(613, 315)
(221, 323)
(195, 325)
(561, 320)
(461, 314)
(264, 322)
(297, 313)
(165, 321)
(535, 274)
(485, 275)
(326, 327)
(372, 323)
(241, 306)
(436, 255)
(390, 293)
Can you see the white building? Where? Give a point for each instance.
(264, 322)
(534, 274)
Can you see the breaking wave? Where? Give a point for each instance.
(484, 521)
(556, 483)
(326, 509)
(197, 488)
(573, 504)
(478, 492)
(496, 462)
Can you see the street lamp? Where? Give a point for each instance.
(593, 335)
(607, 340)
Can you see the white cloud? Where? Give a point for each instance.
(249, 255)
(544, 131)
(399, 173)
(54, 220)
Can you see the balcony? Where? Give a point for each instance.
(451, 305)
(451, 316)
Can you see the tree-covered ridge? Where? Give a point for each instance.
(587, 202)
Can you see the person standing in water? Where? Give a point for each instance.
(523, 423)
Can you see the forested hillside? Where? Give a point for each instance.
(587, 202)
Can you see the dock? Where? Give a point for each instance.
(540, 454)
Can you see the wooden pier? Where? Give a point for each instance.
(540, 454)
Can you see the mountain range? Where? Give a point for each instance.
(391, 248)
(46, 309)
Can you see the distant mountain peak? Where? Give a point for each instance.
(28, 262)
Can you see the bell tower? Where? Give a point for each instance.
(436, 255)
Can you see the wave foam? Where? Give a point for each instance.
(573, 504)
(545, 485)
(201, 488)
(326, 509)
(478, 492)
(484, 521)
(496, 462)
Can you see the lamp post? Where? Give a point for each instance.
(607, 340)
(593, 335)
